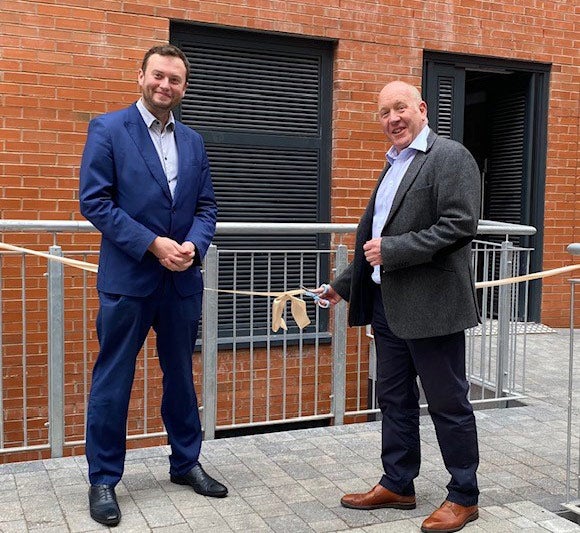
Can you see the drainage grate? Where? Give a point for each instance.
(570, 515)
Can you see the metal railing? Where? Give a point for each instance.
(244, 379)
(573, 504)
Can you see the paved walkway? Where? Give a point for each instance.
(292, 481)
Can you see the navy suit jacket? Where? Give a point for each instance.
(124, 193)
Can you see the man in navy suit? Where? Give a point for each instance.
(145, 184)
(411, 279)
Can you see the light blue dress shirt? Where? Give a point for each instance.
(399, 162)
(164, 141)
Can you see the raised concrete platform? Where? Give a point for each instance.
(293, 481)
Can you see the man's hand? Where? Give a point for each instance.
(328, 293)
(372, 250)
(172, 255)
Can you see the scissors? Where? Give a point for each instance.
(322, 302)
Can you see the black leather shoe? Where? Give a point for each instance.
(201, 483)
(103, 505)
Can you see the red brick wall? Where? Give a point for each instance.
(63, 64)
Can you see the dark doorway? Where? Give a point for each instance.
(494, 131)
(498, 109)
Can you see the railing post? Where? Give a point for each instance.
(574, 249)
(209, 346)
(573, 283)
(504, 315)
(339, 346)
(56, 354)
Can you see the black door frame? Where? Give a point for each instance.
(455, 65)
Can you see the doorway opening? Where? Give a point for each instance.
(497, 108)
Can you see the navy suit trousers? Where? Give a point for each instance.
(439, 362)
(123, 323)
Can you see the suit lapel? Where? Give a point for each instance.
(410, 176)
(183, 156)
(366, 221)
(140, 135)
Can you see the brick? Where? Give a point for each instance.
(63, 65)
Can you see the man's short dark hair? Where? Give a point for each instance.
(166, 50)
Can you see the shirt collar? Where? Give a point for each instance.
(150, 118)
(419, 144)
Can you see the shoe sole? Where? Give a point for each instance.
(111, 523)
(202, 492)
(470, 518)
(404, 506)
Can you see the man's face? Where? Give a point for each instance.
(402, 115)
(163, 83)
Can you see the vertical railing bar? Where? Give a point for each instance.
(359, 370)
(471, 360)
(513, 326)
(525, 346)
(284, 343)
(85, 345)
(145, 382)
(518, 292)
(234, 338)
(252, 277)
(56, 353)
(1, 350)
(372, 363)
(572, 322)
(339, 347)
(470, 347)
(300, 344)
(470, 342)
(485, 324)
(24, 350)
(469, 353)
(491, 314)
(209, 347)
(570, 400)
(268, 338)
(319, 256)
(504, 314)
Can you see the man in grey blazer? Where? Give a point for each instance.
(411, 279)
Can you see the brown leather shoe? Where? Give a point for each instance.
(449, 517)
(377, 498)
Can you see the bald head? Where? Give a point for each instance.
(402, 112)
(403, 88)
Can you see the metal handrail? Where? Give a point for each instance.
(338, 408)
(484, 227)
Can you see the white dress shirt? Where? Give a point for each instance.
(164, 141)
(399, 162)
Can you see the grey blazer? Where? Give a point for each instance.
(426, 277)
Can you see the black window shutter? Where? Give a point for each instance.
(444, 92)
(262, 102)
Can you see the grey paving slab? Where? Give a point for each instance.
(292, 481)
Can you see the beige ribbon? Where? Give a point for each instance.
(297, 305)
(83, 265)
(527, 277)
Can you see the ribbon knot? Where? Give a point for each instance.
(297, 308)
